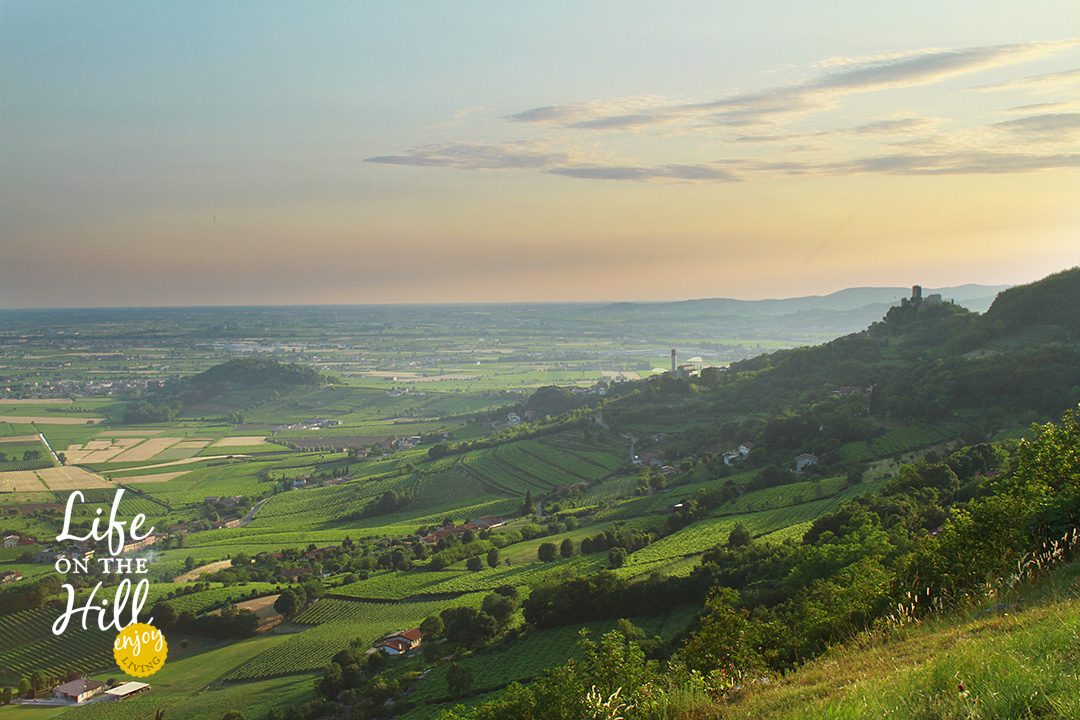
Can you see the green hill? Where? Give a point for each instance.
(1015, 662)
(1054, 300)
(255, 373)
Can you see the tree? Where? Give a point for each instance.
(566, 548)
(287, 602)
(5, 696)
(474, 564)
(493, 557)
(38, 681)
(460, 679)
(432, 627)
(164, 615)
(719, 644)
(233, 715)
(546, 552)
(739, 536)
(500, 607)
(616, 557)
(527, 506)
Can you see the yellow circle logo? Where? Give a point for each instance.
(140, 649)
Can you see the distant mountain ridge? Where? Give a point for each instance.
(972, 296)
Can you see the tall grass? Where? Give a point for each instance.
(987, 660)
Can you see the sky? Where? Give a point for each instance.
(241, 153)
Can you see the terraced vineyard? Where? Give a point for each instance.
(94, 498)
(313, 648)
(24, 626)
(792, 494)
(21, 465)
(224, 480)
(202, 601)
(611, 490)
(538, 651)
(704, 534)
(446, 485)
(501, 477)
(540, 464)
(133, 708)
(77, 650)
(304, 652)
(312, 506)
(395, 584)
(896, 441)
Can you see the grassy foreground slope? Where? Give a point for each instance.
(1020, 663)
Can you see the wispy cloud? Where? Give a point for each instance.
(461, 116)
(1052, 81)
(763, 121)
(665, 173)
(771, 105)
(958, 164)
(1063, 105)
(1051, 127)
(575, 113)
(521, 155)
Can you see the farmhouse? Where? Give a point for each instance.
(80, 551)
(79, 690)
(45, 556)
(11, 541)
(652, 460)
(739, 453)
(802, 461)
(126, 690)
(399, 642)
(10, 576)
(485, 523)
(146, 542)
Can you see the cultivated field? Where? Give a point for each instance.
(263, 607)
(38, 401)
(193, 575)
(53, 420)
(146, 450)
(71, 478)
(242, 441)
(18, 438)
(156, 478)
(97, 451)
(191, 444)
(20, 481)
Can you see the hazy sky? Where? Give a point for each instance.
(162, 153)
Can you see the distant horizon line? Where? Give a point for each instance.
(488, 303)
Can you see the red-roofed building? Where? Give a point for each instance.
(400, 642)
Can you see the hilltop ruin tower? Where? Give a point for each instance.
(674, 360)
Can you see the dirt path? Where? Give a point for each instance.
(186, 461)
(193, 575)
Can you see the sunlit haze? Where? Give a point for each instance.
(206, 153)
